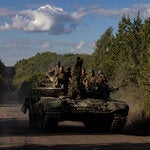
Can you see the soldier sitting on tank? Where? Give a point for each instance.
(103, 86)
(51, 73)
(59, 78)
(83, 79)
(91, 83)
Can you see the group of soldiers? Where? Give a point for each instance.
(77, 83)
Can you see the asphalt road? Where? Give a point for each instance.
(15, 134)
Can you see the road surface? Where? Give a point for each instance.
(15, 134)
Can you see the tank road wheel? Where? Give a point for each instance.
(118, 123)
(32, 120)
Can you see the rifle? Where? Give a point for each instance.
(113, 89)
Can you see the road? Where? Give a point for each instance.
(15, 134)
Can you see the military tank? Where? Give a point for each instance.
(47, 107)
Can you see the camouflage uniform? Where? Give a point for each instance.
(103, 87)
(91, 81)
(53, 73)
(60, 77)
(83, 77)
(67, 80)
(75, 89)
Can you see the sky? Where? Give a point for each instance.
(28, 27)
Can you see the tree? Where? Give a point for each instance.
(102, 57)
(144, 65)
(128, 43)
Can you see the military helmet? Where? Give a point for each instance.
(68, 68)
(91, 71)
(58, 63)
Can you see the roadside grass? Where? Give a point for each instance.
(140, 125)
(138, 122)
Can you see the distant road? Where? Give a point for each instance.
(16, 135)
(10, 92)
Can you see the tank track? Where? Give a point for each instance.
(118, 123)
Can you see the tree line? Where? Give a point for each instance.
(125, 56)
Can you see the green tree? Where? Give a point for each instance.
(127, 44)
(144, 65)
(103, 58)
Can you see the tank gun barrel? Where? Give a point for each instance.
(113, 89)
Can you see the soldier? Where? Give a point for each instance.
(57, 68)
(83, 77)
(75, 90)
(67, 80)
(60, 77)
(52, 73)
(101, 76)
(90, 84)
(103, 86)
(91, 80)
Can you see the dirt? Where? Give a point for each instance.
(15, 134)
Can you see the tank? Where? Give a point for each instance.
(87, 103)
(47, 107)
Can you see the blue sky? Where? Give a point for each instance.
(28, 27)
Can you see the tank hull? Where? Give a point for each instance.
(96, 114)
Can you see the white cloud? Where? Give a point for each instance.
(78, 48)
(47, 18)
(144, 10)
(32, 21)
(80, 13)
(80, 45)
(4, 27)
(55, 20)
(47, 45)
(51, 9)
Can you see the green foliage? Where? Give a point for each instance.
(103, 58)
(40, 63)
(128, 41)
(125, 57)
